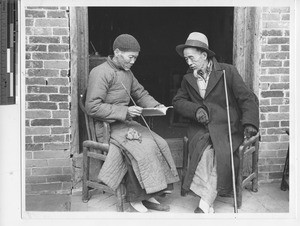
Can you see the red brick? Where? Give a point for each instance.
(277, 175)
(63, 106)
(285, 48)
(59, 48)
(61, 178)
(64, 73)
(60, 162)
(60, 114)
(48, 56)
(65, 39)
(272, 32)
(56, 14)
(42, 89)
(46, 122)
(58, 81)
(37, 130)
(266, 94)
(60, 31)
(56, 64)
(269, 48)
(28, 139)
(35, 81)
(48, 154)
(279, 70)
(269, 108)
(269, 138)
(29, 22)
(36, 48)
(35, 179)
(281, 55)
(47, 171)
(51, 22)
(28, 155)
(269, 124)
(33, 147)
(284, 108)
(45, 187)
(47, 139)
(278, 116)
(42, 105)
(279, 86)
(34, 13)
(37, 114)
(275, 24)
(34, 64)
(64, 90)
(269, 78)
(67, 170)
(58, 97)
(36, 163)
(36, 97)
(271, 63)
(57, 146)
(278, 40)
(264, 102)
(284, 123)
(43, 72)
(60, 130)
(269, 16)
(44, 39)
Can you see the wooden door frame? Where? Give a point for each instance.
(79, 68)
(246, 58)
(246, 44)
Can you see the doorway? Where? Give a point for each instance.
(159, 29)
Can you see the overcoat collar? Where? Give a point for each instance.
(214, 77)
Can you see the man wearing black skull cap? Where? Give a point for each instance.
(148, 166)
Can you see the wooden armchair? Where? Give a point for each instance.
(249, 147)
(96, 150)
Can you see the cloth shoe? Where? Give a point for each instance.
(156, 206)
(139, 207)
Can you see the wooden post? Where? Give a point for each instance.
(246, 43)
(79, 70)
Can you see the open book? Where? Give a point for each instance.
(155, 111)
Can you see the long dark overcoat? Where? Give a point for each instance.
(243, 109)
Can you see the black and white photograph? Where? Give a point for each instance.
(143, 112)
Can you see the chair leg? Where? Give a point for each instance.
(85, 175)
(240, 179)
(255, 167)
(184, 164)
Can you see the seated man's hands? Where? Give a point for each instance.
(134, 111)
(202, 116)
(249, 131)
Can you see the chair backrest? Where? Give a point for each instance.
(90, 123)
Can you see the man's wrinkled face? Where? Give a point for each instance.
(195, 58)
(126, 59)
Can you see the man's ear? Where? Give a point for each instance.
(204, 55)
(117, 52)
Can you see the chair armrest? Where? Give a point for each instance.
(251, 140)
(96, 145)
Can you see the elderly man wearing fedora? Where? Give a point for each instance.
(201, 98)
(136, 154)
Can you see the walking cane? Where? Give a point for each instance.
(230, 142)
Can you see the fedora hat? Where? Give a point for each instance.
(195, 40)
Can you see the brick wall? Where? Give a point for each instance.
(48, 163)
(274, 92)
